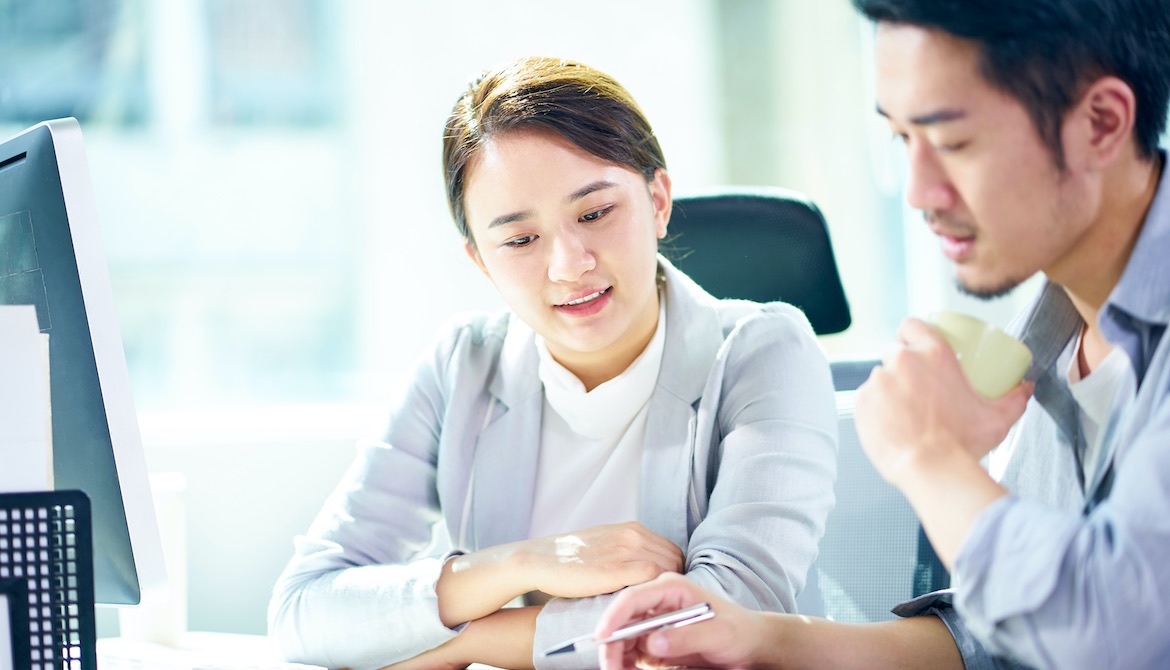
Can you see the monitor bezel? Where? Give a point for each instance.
(97, 296)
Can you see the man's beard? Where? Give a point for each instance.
(956, 226)
(987, 294)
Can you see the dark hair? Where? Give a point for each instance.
(1045, 52)
(583, 105)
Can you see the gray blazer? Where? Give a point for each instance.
(738, 471)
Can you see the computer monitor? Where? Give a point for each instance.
(51, 256)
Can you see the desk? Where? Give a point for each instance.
(201, 651)
(198, 651)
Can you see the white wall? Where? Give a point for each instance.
(255, 477)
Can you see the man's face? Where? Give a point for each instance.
(979, 171)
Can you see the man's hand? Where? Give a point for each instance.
(919, 403)
(729, 640)
(925, 428)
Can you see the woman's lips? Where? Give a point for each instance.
(586, 305)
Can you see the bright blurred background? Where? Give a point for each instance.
(268, 178)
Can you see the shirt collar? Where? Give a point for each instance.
(1133, 316)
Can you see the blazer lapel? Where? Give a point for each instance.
(670, 454)
(504, 471)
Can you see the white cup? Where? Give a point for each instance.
(993, 361)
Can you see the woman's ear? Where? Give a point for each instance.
(1102, 122)
(473, 253)
(661, 200)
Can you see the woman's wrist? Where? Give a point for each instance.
(474, 585)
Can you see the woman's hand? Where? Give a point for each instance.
(731, 639)
(589, 562)
(598, 560)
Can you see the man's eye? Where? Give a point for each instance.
(522, 241)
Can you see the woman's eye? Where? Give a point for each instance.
(593, 216)
(522, 241)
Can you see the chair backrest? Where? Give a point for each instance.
(869, 553)
(773, 244)
(760, 244)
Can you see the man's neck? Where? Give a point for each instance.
(1128, 201)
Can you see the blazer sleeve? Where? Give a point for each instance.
(359, 591)
(771, 473)
(774, 464)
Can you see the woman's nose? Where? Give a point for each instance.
(570, 257)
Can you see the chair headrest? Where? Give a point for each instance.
(760, 244)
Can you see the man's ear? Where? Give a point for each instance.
(1101, 124)
(661, 199)
(473, 253)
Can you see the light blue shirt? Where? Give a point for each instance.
(1068, 573)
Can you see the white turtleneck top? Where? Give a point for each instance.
(590, 466)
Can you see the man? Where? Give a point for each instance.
(1032, 134)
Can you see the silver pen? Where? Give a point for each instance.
(675, 619)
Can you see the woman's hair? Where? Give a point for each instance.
(1045, 52)
(583, 105)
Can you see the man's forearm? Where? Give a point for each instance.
(948, 490)
(807, 643)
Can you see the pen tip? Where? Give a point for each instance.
(560, 650)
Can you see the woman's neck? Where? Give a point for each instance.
(594, 368)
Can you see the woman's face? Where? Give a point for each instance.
(570, 242)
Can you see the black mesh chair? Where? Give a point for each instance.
(767, 244)
(760, 244)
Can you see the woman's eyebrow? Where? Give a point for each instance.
(599, 185)
(509, 218)
(592, 187)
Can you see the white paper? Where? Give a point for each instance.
(6, 660)
(25, 420)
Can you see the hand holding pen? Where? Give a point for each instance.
(675, 619)
(730, 637)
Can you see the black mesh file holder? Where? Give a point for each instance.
(46, 559)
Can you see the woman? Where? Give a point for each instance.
(616, 423)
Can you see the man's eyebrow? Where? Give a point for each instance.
(599, 185)
(941, 116)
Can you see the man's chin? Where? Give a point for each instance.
(986, 292)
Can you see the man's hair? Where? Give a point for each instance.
(1044, 53)
(581, 104)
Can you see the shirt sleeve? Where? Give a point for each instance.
(1059, 589)
(359, 591)
(773, 474)
(940, 604)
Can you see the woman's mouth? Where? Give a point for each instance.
(586, 305)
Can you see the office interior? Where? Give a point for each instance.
(268, 180)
